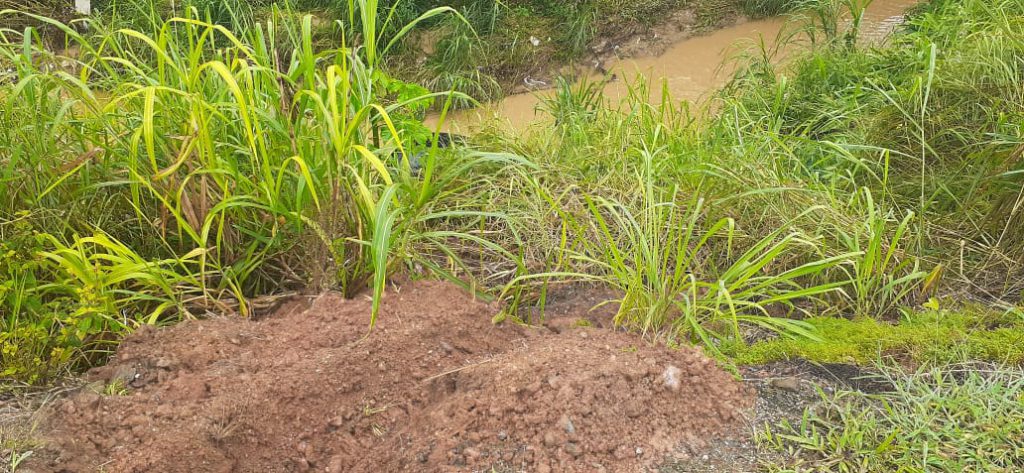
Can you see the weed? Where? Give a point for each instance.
(573, 104)
(882, 277)
(766, 8)
(657, 259)
(225, 422)
(932, 421)
(19, 435)
(117, 387)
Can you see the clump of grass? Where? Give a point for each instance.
(656, 258)
(766, 8)
(573, 104)
(945, 418)
(196, 158)
(882, 276)
(457, 63)
(829, 18)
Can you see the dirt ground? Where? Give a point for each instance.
(434, 387)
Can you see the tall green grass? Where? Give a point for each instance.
(188, 167)
(891, 165)
(210, 165)
(657, 259)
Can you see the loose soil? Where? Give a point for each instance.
(434, 387)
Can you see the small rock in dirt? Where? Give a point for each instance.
(786, 384)
(336, 464)
(336, 422)
(125, 374)
(639, 451)
(164, 363)
(550, 439)
(472, 453)
(621, 452)
(502, 435)
(572, 449)
(566, 424)
(447, 348)
(671, 377)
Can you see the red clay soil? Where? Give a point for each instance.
(434, 387)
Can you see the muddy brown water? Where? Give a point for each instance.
(691, 69)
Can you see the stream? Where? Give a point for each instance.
(692, 68)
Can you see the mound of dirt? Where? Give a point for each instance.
(434, 387)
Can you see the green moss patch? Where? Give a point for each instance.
(920, 336)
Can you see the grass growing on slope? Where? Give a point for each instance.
(656, 259)
(930, 123)
(186, 167)
(150, 176)
(878, 157)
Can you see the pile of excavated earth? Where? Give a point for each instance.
(435, 386)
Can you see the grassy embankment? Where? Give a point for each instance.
(185, 168)
(192, 168)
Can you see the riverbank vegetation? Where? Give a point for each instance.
(191, 168)
(861, 201)
(487, 50)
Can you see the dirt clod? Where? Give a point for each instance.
(434, 387)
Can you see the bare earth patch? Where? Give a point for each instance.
(434, 387)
